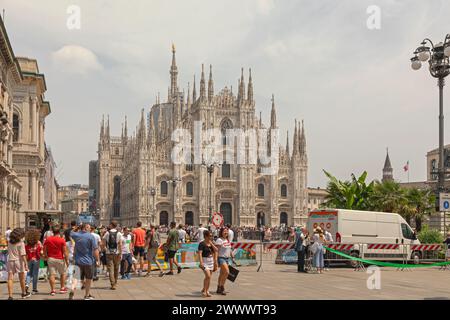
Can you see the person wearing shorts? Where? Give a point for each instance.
(86, 254)
(17, 262)
(172, 245)
(224, 254)
(152, 245)
(207, 254)
(57, 256)
(139, 245)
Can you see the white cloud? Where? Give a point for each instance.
(265, 6)
(76, 59)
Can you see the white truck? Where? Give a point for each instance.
(374, 235)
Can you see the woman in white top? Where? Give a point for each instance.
(225, 252)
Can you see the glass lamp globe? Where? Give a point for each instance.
(424, 55)
(415, 65)
(447, 50)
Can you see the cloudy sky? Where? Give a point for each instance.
(353, 86)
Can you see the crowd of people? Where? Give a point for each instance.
(74, 253)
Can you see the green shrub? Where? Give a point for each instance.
(427, 235)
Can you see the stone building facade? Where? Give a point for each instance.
(137, 179)
(30, 111)
(10, 186)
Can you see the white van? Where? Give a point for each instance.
(365, 228)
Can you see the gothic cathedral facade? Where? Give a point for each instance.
(138, 181)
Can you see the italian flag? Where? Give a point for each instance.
(406, 167)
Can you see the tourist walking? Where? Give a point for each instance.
(317, 250)
(300, 247)
(33, 249)
(181, 234)
(57, 256)
(201, 230)
(17, 262)
(97, 244)
(230, 233)
(127, 259)
(207, 256)
(152, 245)
(112, 241)
(139, 245)
(224, 254)
(172, 246)
(70, 247)
(86, 252)
(328, 239)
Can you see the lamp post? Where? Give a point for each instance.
(174, 181)
(152, 192)
(439, 66)
(210, 169)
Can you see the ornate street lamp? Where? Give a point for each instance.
(210, 169)
(152, 192)
(439, 66)
(174, 181)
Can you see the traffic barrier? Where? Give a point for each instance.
(242, 245)
(382, 246)
(425, 247)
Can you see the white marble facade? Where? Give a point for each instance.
(136, 173)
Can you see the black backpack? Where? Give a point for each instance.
(112, 241)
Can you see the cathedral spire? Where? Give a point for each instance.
(102, 127)
(202, 85)
(295, 145)
(173, 73)
(188, 104)
(242, 86)
(125, 130)
(388, 172)
(303, 140)
(287, 143)
(194, 92)
(210, 85)
(250, 86)
(107, 128)
(273, 114)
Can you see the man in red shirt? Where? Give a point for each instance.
(57, 256)
(139, 245)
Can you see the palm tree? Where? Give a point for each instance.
(354, 194)
(422, 201)
(388, 196)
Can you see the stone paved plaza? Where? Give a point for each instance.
(273, 282)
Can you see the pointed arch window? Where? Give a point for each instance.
(16, 127)
(189, 189)
(164, 188)
(260, 190)
(283, 191)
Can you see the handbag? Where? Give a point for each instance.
(232, 275)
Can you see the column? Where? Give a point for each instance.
(41, 138)
(41, 195)
(33, 119)
(33, 191)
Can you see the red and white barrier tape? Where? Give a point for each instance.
(242, 245)
(339, 246)
(382, 246)
(425, 247)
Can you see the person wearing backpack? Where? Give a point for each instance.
(112, 242)
(152, 244)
